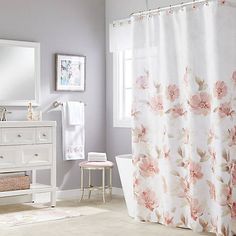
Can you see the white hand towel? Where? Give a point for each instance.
(101, 154)
(75, 113)
(73, 136)
(97, 156)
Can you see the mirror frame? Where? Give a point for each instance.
(36, 46)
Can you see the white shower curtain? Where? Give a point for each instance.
(184, 110)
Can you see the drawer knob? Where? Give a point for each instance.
(1, 157)
(44, 135)
(36, 154)
(19, 136)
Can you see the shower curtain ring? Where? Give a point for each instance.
(170, 9)
(207, 3)
(182, 6)
(194, 6)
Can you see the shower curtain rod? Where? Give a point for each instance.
(146, 12)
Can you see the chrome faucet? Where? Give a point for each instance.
(4, 113)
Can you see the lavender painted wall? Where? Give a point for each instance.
(119, 139)
(70, 27)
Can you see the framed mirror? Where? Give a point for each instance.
(19, 73)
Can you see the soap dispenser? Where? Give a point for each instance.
(30, 112)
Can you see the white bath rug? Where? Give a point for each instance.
(37, 215)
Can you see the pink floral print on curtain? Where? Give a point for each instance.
(194, 167)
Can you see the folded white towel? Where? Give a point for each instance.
(75, 112)
(97, 156)
(73, 135)
(100, 154)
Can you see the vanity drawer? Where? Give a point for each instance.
(10, 157)
(44, 135)
(37, 154)
(12, 136)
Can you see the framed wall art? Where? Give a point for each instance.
(70, 72)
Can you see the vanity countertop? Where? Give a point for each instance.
(12, 124)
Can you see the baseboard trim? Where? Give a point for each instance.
(71, 194)
(45, 197)
(76, 193)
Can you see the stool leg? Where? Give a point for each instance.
(110, 187)
(103, 185)
(33, 182)
(82, 183)
(90, 184)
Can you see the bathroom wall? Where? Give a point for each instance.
(70, 27)
(119, 139)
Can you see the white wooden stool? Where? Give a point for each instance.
(103, 166)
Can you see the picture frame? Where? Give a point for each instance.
(70, 72)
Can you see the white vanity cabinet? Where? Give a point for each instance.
(29, 146)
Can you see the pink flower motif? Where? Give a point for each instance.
(234, 77)
(136, 159)
(185, 188)
(166, 152)
(148, 199)
(232, 136)
(196, 209)
(233, 210)
(177, 111)
(140, 134)
(201, 103)
(233, 172)
(211, 135)
(212, 153)
(212, 190)
(214, 222)
(168, 220)
(195, 172)
(172, 92)
(136, 184)
(220, 89)
(225, 109)
(142, 81)
(156, 104)
(148, 167)
(135, 113)
(226, 195)
(186, 135)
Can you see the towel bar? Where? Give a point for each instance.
(57, 104)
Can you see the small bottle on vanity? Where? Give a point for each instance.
(30, 112)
